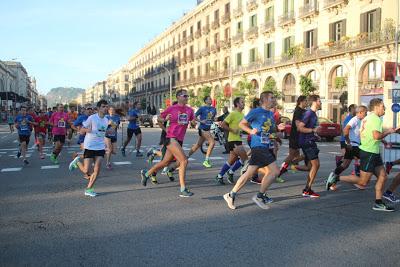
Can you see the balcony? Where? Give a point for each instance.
(238, 38)
(190, 38)
(183, 41)
(268, 27)
(215, 48)
(177, 46)
(226, 18)
(215, 24)
(198, 55)
(206, 29)
(197, 34)
(331, 4)
(286, 19)
(238, 12)
(252, 33)
(225, 44)
(266, 1)
(205, 52)
(190, 58)
(309, 10)
(251, 5)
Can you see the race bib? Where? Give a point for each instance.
(24, 126)
(265, 138)
(61, 124)
(183, 118)
(101, 133)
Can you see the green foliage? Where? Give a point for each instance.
(270, 85)
(296, 51)
(197, 101)
(340, 82)
(220, 98)
(245, 89)
(306, 85)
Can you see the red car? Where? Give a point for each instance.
(327, 128)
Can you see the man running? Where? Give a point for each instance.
(260, 124)
(72, 115)
(10, 120)
(351, 133)
(371, 135)
(111, 137)
(307, 128)
(40, 131)
(23, 123)
(236, 148)
(59, 121)
(179, 116)
(95, 128)
(133, 128)
(205, 115)
(343, 146)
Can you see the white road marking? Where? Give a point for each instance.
(122, 163)
(216, 158)
(3, 152)
(50, 167)
(11, 169)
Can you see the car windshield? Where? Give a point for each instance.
(324, 120)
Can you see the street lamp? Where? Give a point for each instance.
(170, 84)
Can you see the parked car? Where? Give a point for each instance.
(327, 128)
(146, 120)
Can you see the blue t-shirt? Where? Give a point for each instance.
(263, 121)
(206, 113)
(133, 123)
(310, 121)
(345, 122)
(113, 123)
(24, 128)
(80, 120)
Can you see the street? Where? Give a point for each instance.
(46, 220)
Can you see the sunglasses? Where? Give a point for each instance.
(185, 96)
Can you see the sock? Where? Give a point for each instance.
(147, 174)
(232, 194)
(378, 201)
(260, 195)
(183, 188)
(224, 169)
(238, 164)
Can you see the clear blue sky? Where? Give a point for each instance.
(77, 43)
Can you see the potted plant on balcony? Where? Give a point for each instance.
(330, 43)
(389, 29)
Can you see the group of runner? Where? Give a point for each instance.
(362, 135)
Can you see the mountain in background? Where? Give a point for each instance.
(62, 95)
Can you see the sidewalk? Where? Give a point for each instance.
(4, 128)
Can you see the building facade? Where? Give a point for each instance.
(342, 45)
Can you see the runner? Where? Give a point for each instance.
(40, 131)
(59, 121)
(95, 128)
(72, 116)
(10, 120)
(111, 137)
(179, 116)
(23, 123)
(260, 124)
(307, 128)
(343, 146)
(205, 115)
(236, 148)
(351, 133)
(371, 135)
(49, 128)
(393, 186)
(133, 128)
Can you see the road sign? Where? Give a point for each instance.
(396, 107)
(395, 95)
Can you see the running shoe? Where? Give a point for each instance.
(123, 152)
(73, 164)
(262, 201)
(207, 164)
(150, 155)
(186, 193)
(153, 179)
(310, 194)
(139, 154)
(279, 180)
(144, 177)
(361, 187)
(332, 179)
(230, 201)
(90, 193)
(391, 197)
(382, 207)
(170, 176)
(333, 187)
(230, 178)
(388, 167)
(41, 156)
(26, 162)
(220, 180)
(164, 171)
(19, 153)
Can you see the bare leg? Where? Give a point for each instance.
(380, 182)
(176, 150)
(96, 172)
(395, 183)
(196, 146)
(313, 173)
(138, 142)
(251, 170)
(23, 150)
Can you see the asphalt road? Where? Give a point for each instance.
(45, 220)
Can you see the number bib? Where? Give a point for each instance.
(24, 126)
(209, 122)
(265, 138)
(183, 118)
(61, 124)
(101, 133)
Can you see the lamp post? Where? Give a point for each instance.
(170, 83)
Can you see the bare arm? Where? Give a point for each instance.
(302, 129)
(346, 133)
(244, 125)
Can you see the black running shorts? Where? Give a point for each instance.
(261, 157)
(370, 161)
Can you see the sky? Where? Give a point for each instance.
(78, 43)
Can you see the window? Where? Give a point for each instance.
(240, 27)
(239, 59)
(207, 67)
(199, 25)
(269, 51)
(288, 6)
(374, 70)
(198, 71)
(227, 34)
(216, 15)
(226, 63)
(337, 30)
(216, 65)
(216, 38)
(252, 55)
(288, 42)
(310, 39)
(191, 30)
(269, 14)
(253, 21)
(227, 8)
(184, 75)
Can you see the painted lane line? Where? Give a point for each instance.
(11, 169)
(122, 163)
(50, 167)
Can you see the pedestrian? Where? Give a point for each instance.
(238, 154)
(179, 117)
(72, 116)
(111, 136)
(95, 128)
(40, 131)
(371, 135)
(221, 118)
(260, 124)
(133, 128)
(24, 123)
(59, 121)
(10, 120)
(205, 115)
(308, 129)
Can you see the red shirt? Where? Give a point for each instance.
(42, 124)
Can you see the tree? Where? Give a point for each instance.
(245, 89)
(306, 85)
(220, 98)
(270, 85)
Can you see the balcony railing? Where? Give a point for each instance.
(190, 38)
(226, 18)
(238, 38)
(238, 12)
(206, 29)
(198, 55)
(225, 44)
(197, 34)
(215, 48)
(309, 10)
(251, 5)
(183, 41)
(215, 24)
(177, 46)
(268, 26)
(190, 58)
(252, 33)
(287, 18)
(266, 1)
(335, 3)
(205, 52)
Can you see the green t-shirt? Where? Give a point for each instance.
(371, 123)
(233, 120)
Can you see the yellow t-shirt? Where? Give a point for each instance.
(233, 120)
